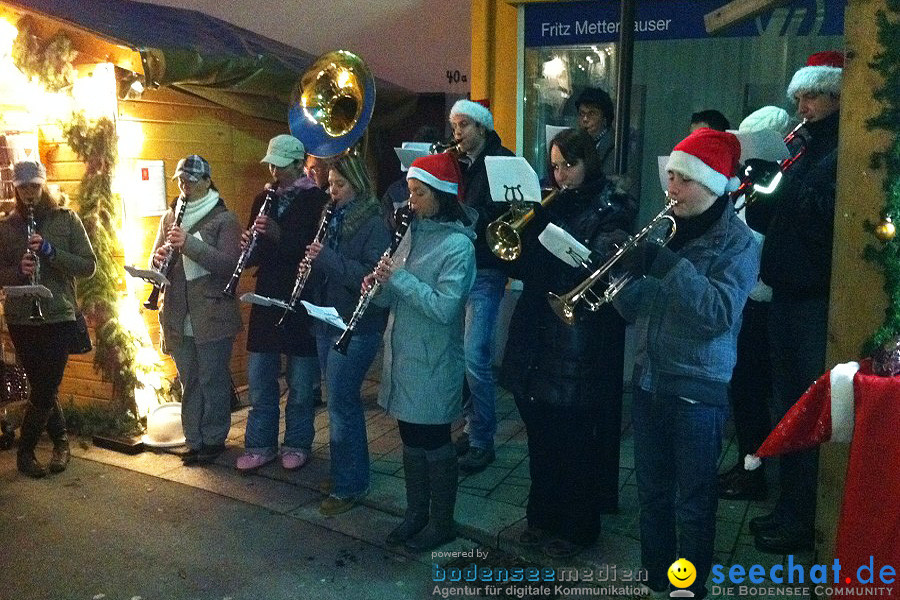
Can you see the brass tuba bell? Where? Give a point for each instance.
(332, 104)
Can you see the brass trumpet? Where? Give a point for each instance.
(503, 235)
(564, 305)
(451, 147)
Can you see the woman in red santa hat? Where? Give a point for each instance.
(687, 313)
(425, 284)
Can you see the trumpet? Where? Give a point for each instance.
(751, 186)
(451, 146)
(31, 226)
(264, 209)
(503, 234)
(305, 266)
(404, 218)
(564, 305)
(165, 266)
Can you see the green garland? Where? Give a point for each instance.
(887, 254)
(50, 63)
(115, 348)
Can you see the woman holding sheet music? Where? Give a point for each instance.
(58, 248)
(567, 379)
(356, 236)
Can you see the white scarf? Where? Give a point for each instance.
(193, 212)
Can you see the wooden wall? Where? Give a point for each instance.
(173, 125)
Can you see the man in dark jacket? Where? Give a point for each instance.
(796, 263)
(473, 131)
(284, 232)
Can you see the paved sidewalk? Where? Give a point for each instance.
(490, 509)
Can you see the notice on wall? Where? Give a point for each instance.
(563, 24)
(146, 195)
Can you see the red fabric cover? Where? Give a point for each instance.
(806, 425)
(870, 515)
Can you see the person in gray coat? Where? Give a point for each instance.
(425, 285)
(199, 323)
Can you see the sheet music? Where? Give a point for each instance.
(328, 314)
(563, 246)
(18, 291)
(147, 275)
(512, 179)
(252, 298)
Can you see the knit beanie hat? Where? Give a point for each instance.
(767, 117)
(477, 111)
(822, 74)
(440, 171)
(709, 157)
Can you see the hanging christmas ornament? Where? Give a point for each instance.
(886, 360)
(885, 230)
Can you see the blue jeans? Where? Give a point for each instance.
(263, 369)
(206, 390)
(482, 309)
(676, 447)
(347, 420)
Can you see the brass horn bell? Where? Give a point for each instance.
(332, 104)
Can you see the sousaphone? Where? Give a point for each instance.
(332, 104)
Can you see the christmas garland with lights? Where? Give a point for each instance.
(115, 349)
(50, 62)
(886, 254)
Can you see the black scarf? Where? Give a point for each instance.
(690, 229)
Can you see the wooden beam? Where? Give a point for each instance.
(736, 11)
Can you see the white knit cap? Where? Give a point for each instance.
(767, 117)
(475, 111)
(822, 74)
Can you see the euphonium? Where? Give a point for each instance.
(31, 226)
(503, 234)
(750, 186)
(305, 266)
(165, 266)
(268, 202)
(564, 305)
(404, 218)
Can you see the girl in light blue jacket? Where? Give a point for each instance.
(425, 284)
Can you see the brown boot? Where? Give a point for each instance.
(59, 460)
(28, 464)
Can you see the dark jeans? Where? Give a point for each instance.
(797, 334)
(425, 437)
(751, 382)
(565, 464)
(43, 352)
(676, 447)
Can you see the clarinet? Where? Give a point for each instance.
(305, 266)
(268, 202)
(165, 266)
(35, 279)
(404, 218)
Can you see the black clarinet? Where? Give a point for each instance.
(165, 267)
(37, 314)
(305, 266)
(404, 217)
(268, 202)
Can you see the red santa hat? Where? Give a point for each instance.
(821, 74)
(824, 413)
(708, 157)
(440, 171)
(477, 111)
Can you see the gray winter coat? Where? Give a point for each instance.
(424, 366)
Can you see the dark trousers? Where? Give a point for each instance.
(797, 333)
(564, 456)
(43, 351)
(425, 437)
(751, 382)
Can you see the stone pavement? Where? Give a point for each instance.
(490, 508)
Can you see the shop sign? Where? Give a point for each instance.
(596, 22)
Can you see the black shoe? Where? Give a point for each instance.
(209, 454)
(462, 444)
(476, 460)
(190, 457)
(60, 457)
(764, 523)
(744, 485)
(785, 540)
(28, 464)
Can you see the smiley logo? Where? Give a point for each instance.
(682, 573)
